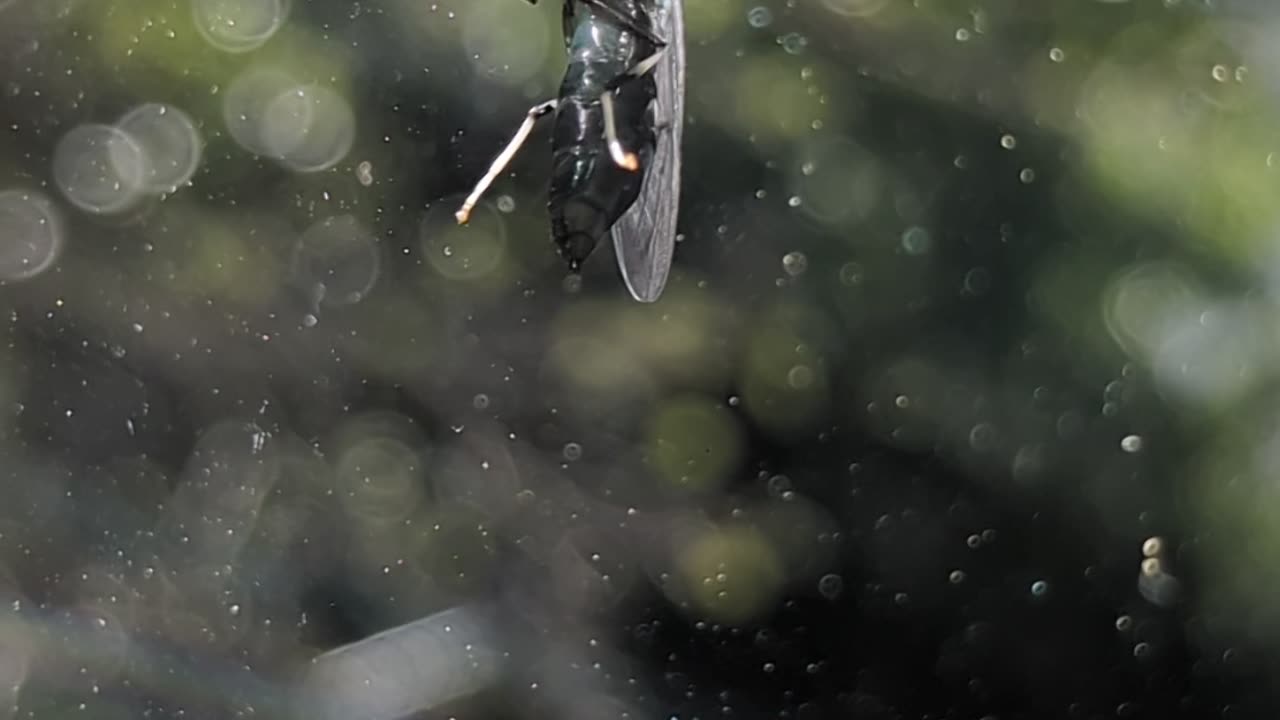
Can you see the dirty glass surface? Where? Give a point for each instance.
(960, 402)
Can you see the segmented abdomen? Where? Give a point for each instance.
(589, 192)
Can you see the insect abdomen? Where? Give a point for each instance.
(589, 192)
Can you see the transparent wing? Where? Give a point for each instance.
(644, 238)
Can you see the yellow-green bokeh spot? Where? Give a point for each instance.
(591, 355)
(604, 372)
(841, 181)
(784, 380)
(227, 258)
(680, 345)
(731, 574)
(708, 19)
(618, 350)
(475, 253)
(694, 445)
(153, 45)
(380, 479)
(394, 336)
(773, 104)
(1188, 154)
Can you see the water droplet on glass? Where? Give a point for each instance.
(779, 484)
(760, 16)
(1152, 547)
(794, 43)
(983, 437)
(977, 281)
(795, 263)
(916, 241)
(830, 585)
(850, 273)
(800, 377)
(1157, 586)
(364, 173)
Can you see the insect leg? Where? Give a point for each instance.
(504, 157)
(638, 70)
(623, 158)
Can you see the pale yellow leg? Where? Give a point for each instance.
(500, 163)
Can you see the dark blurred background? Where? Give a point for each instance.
(959, 403)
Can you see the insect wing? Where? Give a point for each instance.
(644, 238)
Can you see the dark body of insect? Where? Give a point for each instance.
(615, 140)
(589, 191)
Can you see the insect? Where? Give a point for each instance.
(616, 138)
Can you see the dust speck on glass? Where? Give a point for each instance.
(954, 394)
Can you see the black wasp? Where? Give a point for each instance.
(616, 142)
